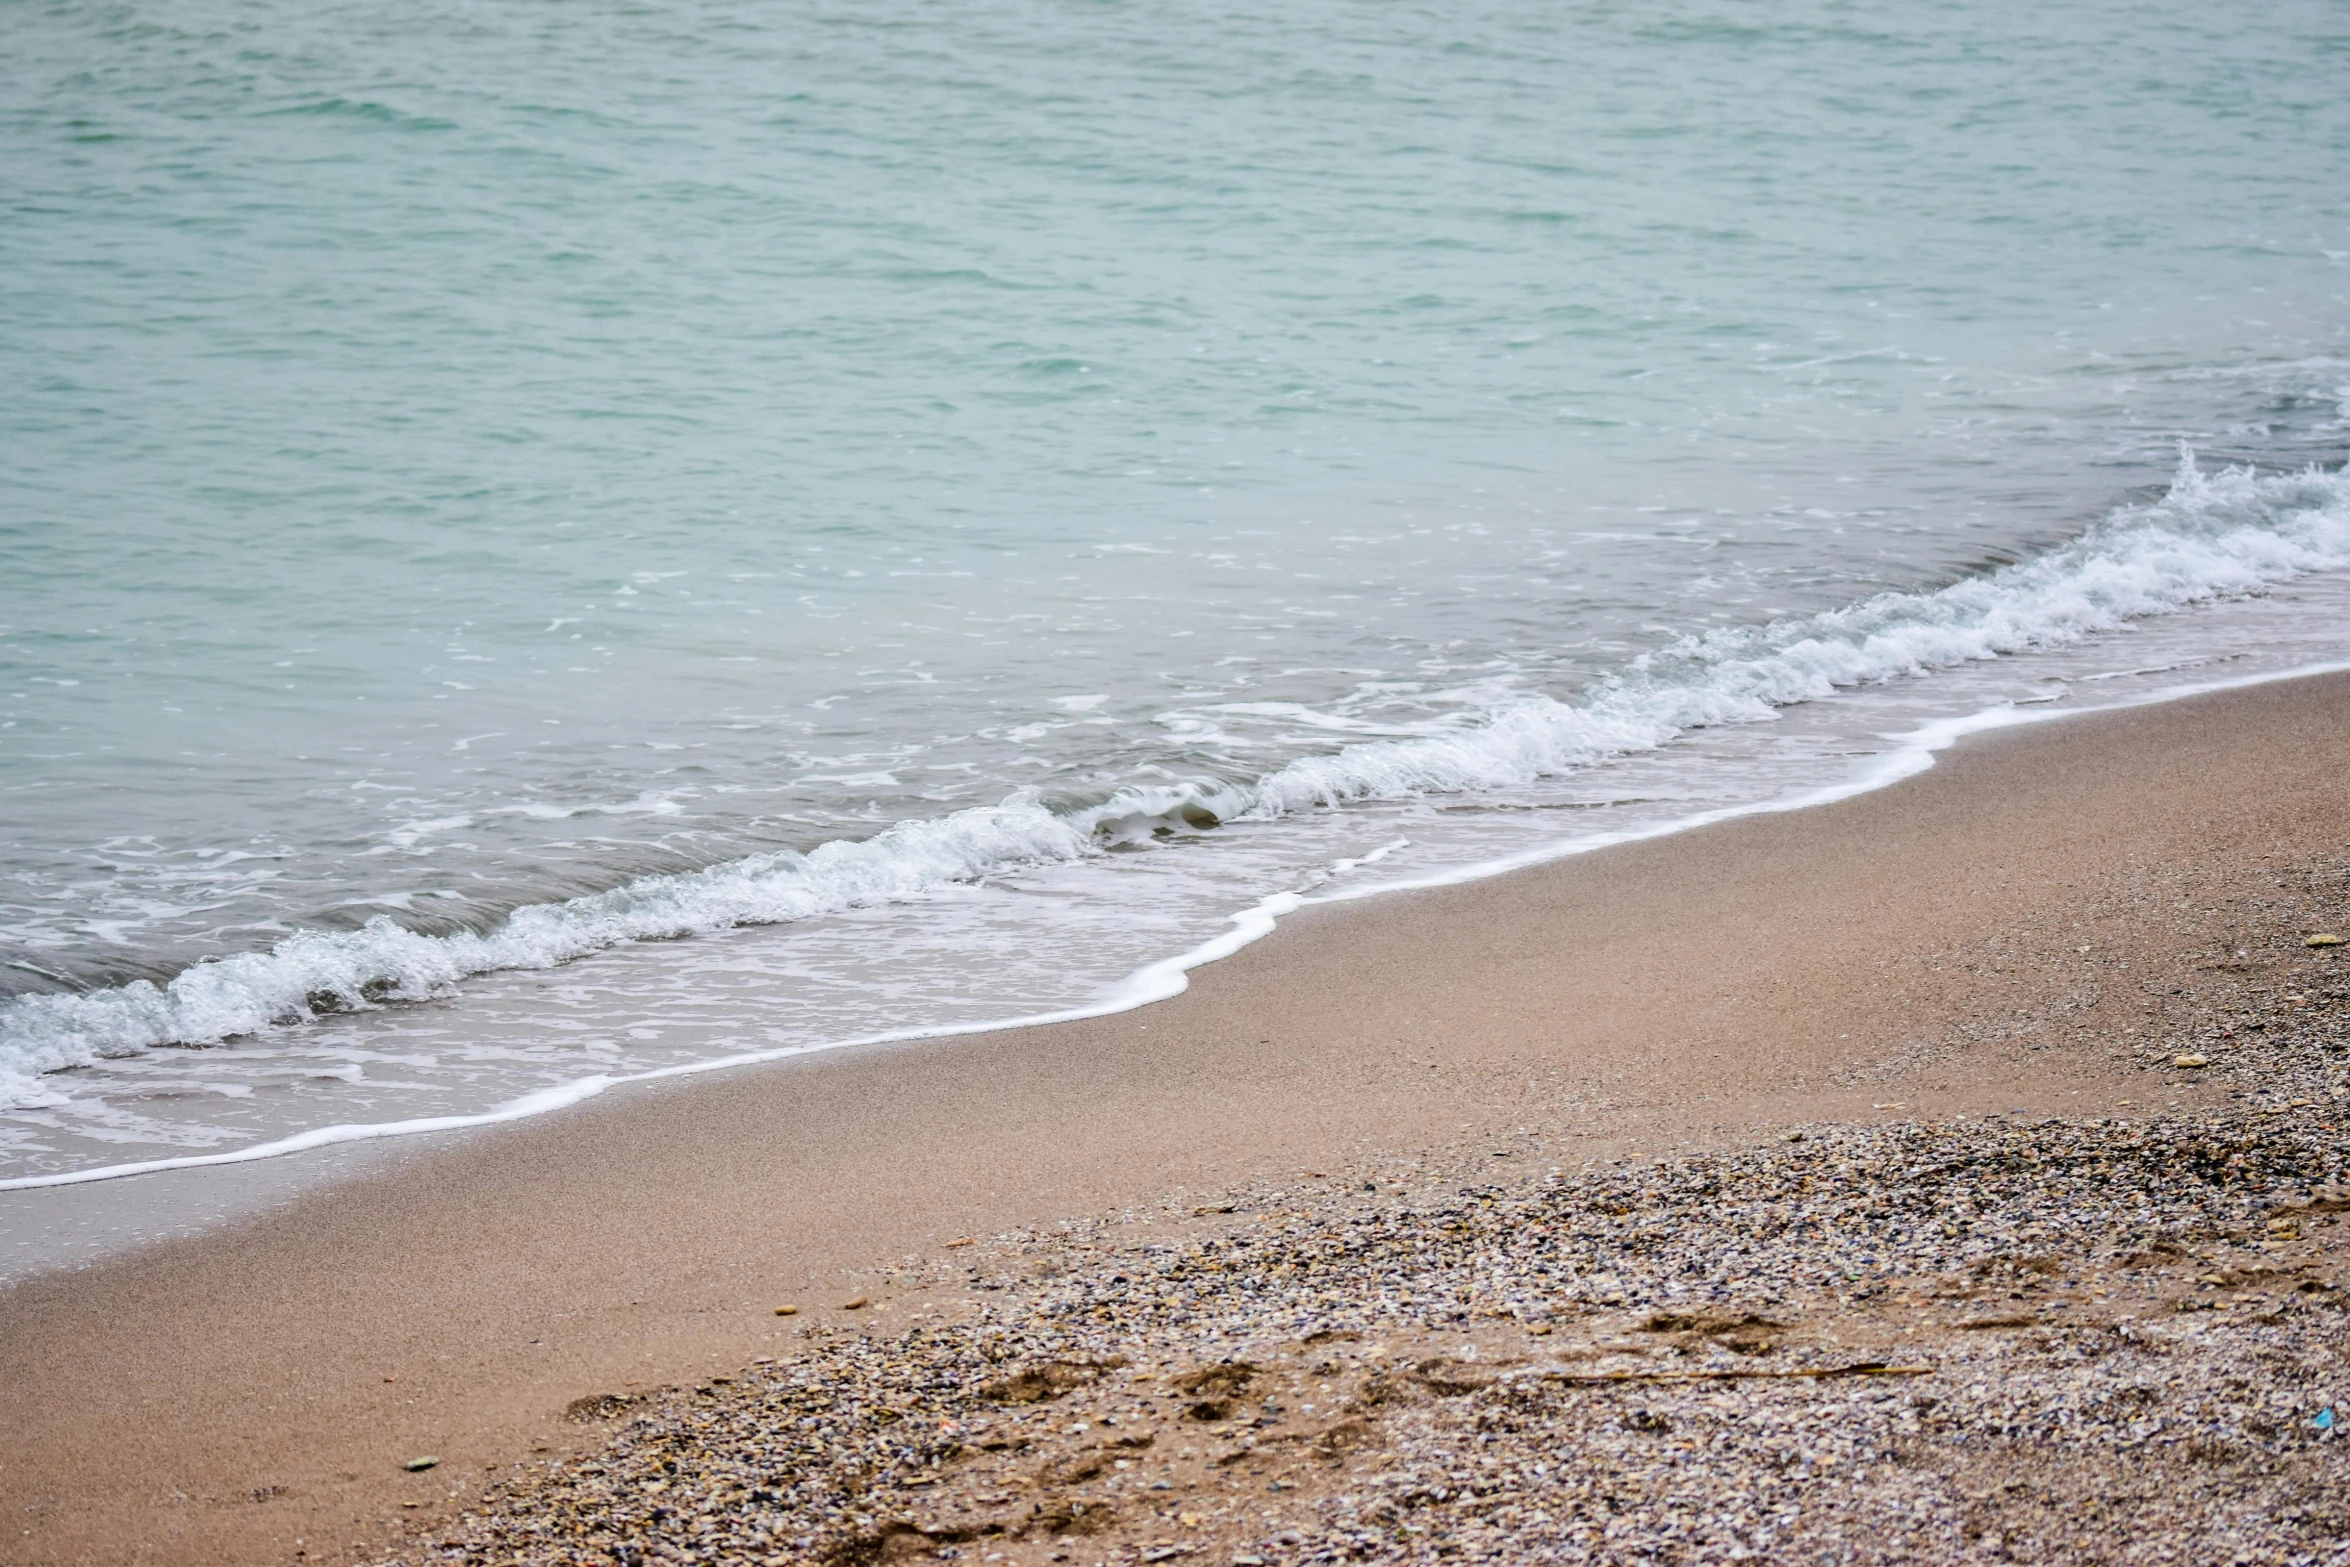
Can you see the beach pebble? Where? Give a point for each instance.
(787, 1311)
(428, 1461)
(2190, 1060)
(1973, 1341)
(2323, 939)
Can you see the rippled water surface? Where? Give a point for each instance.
(941, 507)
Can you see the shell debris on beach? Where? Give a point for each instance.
(2049, 1339)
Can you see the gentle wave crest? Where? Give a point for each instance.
(2211, 536)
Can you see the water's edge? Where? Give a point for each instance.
(1910, 754)
(2212, 536)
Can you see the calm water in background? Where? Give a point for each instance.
(939, 507)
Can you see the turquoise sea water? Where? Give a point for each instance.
(940, 507)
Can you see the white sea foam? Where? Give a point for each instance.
(1170, 977)
(2210, 536)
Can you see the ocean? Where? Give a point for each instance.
(544, 546)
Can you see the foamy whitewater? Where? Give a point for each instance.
(2229, 534)
(542, 560)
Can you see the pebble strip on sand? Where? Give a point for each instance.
(1998, 1339)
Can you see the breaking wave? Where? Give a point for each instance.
(2213, 535)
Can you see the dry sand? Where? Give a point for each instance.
(2006, 931)
(2078, 1340)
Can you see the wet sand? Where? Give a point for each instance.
(1991, 935)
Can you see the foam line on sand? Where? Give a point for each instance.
(1909, 755)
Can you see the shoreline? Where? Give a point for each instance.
(226, 1396)
(1909, 754)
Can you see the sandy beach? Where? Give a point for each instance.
(2047, 922)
